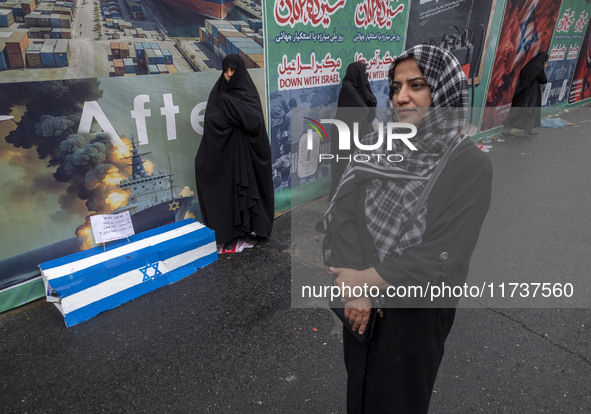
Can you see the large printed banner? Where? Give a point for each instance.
(70, 148)
(94, 146)
(527, 29)
(461, 26)
(309, 45)
(105, 115)
(464, 27)
(564, 51)
(581, 82)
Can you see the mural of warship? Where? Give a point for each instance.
(152, 201)
(217, 9)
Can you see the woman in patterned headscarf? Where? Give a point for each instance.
(395, 371)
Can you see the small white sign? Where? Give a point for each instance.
(109, 227)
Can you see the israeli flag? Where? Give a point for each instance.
(86, 283)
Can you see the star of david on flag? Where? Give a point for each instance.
(149, 275)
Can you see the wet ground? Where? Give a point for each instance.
(226, 340)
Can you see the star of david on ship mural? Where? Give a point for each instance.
(150, 275)
(174, 206)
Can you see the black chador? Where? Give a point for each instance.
(233, 167)
(525, 106)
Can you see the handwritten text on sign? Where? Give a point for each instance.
(109, 227)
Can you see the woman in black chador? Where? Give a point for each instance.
(527, 99)
(233, 164)
(355, 93)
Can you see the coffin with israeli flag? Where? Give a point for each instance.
(89, 282)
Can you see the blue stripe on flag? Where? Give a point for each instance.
(118, 298)
(94, 275)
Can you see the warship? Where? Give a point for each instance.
(152, 201)
(215, 9)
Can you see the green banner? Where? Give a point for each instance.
(310, 43)
(564, 51)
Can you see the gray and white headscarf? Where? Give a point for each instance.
(393, 189)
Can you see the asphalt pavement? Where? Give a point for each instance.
(227, 340)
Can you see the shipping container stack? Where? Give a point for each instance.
(124, 50)
(54, 20)
(115, 50)
(150, 56)
(42, 33)
(162, 68)
(255, 24)
(50, 53)
(233, 37)
(159, 57)
(64, 4)
(128, 65)
(16, 45)
(6, 17)
(259, 39)
(33, 55)
(59, 33)
(110, 6)
(168, 60)
(140, 33)
(123, 58)
(3, 55)
(121, 25)
(37, 19)
(28, 6)
(65, 11)
(135, 9)
(65, 21)
(50, 21)
(47, 56)
(140, 54)
(62, 53)
(19, 8)
(17, 13)
(119, 67)
(45, 8)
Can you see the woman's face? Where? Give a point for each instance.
(228, 73)
(412, 94)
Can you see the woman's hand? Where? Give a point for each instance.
(347, 279)
(357, 312)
